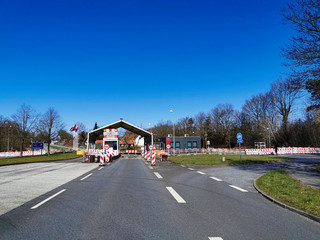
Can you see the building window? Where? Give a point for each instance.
(177, 145)
(195, 144)
(189, 145)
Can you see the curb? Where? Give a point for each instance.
(305, 214)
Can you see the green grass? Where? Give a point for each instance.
(281, 186)
(43, 158)
(317, 166)
(231, 159)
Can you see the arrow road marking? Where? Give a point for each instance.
(48, 199)
(178, 198)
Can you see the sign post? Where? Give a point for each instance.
(239, 137)
(168, 141)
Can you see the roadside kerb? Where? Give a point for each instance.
(305, 214)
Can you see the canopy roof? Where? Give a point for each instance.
(123, 124)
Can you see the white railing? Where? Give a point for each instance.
(28, 153)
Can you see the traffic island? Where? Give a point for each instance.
(279, 187)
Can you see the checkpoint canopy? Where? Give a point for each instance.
(95, 134)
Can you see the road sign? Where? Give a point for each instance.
(37, 145)
(154, 147)
(239, 136)
(151, 147)
(107, 146)
(240, 141)
(168, 146)
(168, 140)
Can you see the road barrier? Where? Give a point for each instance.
(148, 156)
(29, 153)
(153, 163)
(101, 159)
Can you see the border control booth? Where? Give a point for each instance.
(103, 133)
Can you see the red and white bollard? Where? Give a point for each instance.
(89, 157)
(107, 157)
(101, 159)
(142, 153)
(149, 156)
(153, 162)
(146, 155)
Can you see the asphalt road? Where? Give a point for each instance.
(128, 199)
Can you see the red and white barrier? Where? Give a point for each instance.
(153, 163)
(132, 151)
(101, 159)
(149, 156)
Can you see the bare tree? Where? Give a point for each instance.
(285, 95)
(223, 120)
(50, 125)
(25, 120)
(303, 51)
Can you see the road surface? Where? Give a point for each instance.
(129, 199)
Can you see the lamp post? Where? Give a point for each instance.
(8, 138)
(174, 142)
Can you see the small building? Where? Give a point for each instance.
(182, 142)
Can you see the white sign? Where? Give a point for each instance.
(107, 146)
(168, 146)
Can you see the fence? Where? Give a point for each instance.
(28, 153)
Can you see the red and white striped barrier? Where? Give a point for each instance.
(132, 151)
(101, 159)
(108, 157)
(153, 163)
(146, 155)
(149, 156)
(142, 153)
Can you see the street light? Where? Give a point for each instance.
(174, 141)
(8, 137)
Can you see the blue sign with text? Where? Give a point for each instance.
(239, 136)
(37, 145)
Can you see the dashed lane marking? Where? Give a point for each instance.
(48, 199)
(158, 175)
(217, 179)
(100, 168)
(240, 189)
(182, 165)
(150, 167)
(215, 238)
(176, 196)
(190, 168)
(85, 177)
(201, 172)
(108, 163)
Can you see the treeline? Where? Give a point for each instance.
(263, 118)
(26, 126)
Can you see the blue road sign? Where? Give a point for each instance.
(240, 141)
(239, 136)
(37, 145)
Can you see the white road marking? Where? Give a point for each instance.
(182, 165)
(240, 189)
(200, 172)
(46, 200)
(215, 238)
(100, 168)
(217, 179)
(190, 168)
(108, 163)
(158, 175)
(86, 177)
(178, 198)
(150, 167)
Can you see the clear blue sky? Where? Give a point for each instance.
(99, 61)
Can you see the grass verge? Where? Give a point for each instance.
(317, 166)
(43, 158)
(290, 191)
(215, 159)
